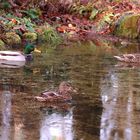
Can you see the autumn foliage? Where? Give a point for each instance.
(75, 18)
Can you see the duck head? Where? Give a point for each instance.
(29, 48)
(65, 87)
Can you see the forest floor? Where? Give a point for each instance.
(72, 21)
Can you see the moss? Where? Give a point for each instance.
(2, 45)
(52, 37)
(30, 36)
(48, 34)
(127, 26)
(12, 38)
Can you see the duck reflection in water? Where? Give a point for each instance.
(57, 124)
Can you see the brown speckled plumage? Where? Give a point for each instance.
(63, 94)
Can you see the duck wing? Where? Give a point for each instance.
(10, 53)
(11, 56)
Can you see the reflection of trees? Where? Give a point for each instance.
(15, 113)
(6, 114)
(88, 107)
(12, 79)
(120, 97)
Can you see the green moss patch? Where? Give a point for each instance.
(127, 26)
(30, 36)
(12, 38)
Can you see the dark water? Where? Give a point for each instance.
(106, 107)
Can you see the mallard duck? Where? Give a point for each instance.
(63, 94)
(14, 59)
(18, 56)
(129, 58)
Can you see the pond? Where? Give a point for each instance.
(106, 105)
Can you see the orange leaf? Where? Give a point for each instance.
(13, 20)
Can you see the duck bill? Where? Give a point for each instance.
(36, 50)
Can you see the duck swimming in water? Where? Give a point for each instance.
(63, 94)
(14, 59)
(18, 56)
(129, 58)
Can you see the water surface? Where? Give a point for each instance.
(106, 106)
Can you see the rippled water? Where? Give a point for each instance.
(106, 106)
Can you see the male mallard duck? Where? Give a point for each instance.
(18, 56)
(63, 94)
(14, 59)
(129, 58)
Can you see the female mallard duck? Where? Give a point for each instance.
(129, 58)
(14, 59)
(63, 94)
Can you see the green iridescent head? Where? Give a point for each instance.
(29, 48)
